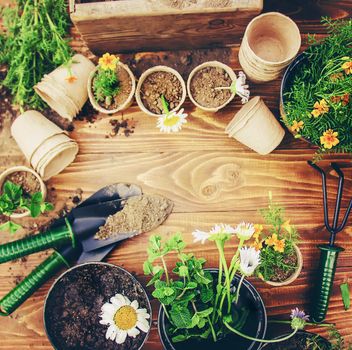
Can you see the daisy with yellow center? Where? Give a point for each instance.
(297, 126)
(329, 139)
(108, 61)
(124, 318)
(320, 108)
(172, 121)
(347, 67)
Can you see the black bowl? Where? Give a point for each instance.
(230, 342)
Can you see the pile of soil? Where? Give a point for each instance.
(73, 308)
(157, 84)
(125, 85)
(122, 127)
(280, 275)
(203, 86)
(26, 180)
(139, 214)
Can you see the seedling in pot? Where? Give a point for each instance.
(14, 199)
(170, 121)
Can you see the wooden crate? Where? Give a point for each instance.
(141, 25)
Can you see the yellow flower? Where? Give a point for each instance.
(279, 246)
(286, 226)
(329, 139)
(320, 108)
(347, 66)
(71, 79)
(270, 241)
(297, 126)
(108, 61)
(257, 245)
(258, 230)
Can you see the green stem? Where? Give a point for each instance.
(165, 269)
(235, 257)
(260, 340)
(307, 323)
(238, 289)
(212, 329)
(220, 246)
(217, 294)
(166, 313)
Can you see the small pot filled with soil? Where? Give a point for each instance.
(30, 182)
(123, 92)
(283, 278)
(157, 83)
(302, 340)
(209, 84)
(97, 306)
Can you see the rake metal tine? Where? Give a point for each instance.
(345, 218)
(339, 194)
(325, 196)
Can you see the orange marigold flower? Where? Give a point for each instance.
(345, 99)
(108, 61)
(336, 76)
(329, 139)
(347, 67)
(297, 126)
(320, 108)
(270, 241)
(258, 230)
(71, 79)
(257, 245)
(279, 246)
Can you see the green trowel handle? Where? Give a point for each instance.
(53, 238)
(31, 283)
(327, 268)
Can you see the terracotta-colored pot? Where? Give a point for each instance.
(62, 95)
(271, 41)
(123, 106)
(256, 127)
(217, 64)
(294, 276)
(15, 169)
(153, 70)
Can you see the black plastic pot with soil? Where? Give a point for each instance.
(302, 340)
(209, 85)
(156, 82)
(255, 325)
(72, 311)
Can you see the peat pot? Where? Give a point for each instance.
(74, 302)
(255, 326)
(21, 169)
(271, 41)
(256, 127)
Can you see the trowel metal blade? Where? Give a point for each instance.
(95, 255)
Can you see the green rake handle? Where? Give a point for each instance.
(53, 238)
(327, 268)
(10, 302)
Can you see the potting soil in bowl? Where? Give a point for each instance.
(73, 307)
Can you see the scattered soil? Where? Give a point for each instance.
(73, 308)
(140, 214)
(203, 86)
(76, 198)
(157, 84)
(279, 275)
(26, 180)
(125, 84)
(122, 127)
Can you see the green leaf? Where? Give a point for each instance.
(202, 323)
(195, 321)
(164, 104)
(147, 268)
(180, 316)
(10, 226)
(345, 292)
(168, 291)
(206, 294)
(183, 271)
(179, 338)
(156, 277)
(158, 293)
(205, 313)
(191, 285)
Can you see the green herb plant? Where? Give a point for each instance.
(315, 343)
(32, 44)
(199, 304)
(319, 100)
(337, 340)
(276, 244)
(13, 199)
(346, 295)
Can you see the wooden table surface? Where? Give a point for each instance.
(211, 178)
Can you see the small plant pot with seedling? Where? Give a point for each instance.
(211, 86)
(65, 88)
(105, 306)
(256, 127)
(111, 85)
(158, 82)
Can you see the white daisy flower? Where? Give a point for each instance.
(240, 88)
(220, 229)
(172, 122)
(124, 318)
(245, 230)
(249, 260)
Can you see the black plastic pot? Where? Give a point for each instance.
(103, 279)
(301, 335)
(250, 297)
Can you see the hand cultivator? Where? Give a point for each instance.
(328, 252)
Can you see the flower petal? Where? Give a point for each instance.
(121, 336)
(135, 304)
(133, 332)
(143, 325)
(111, 332)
